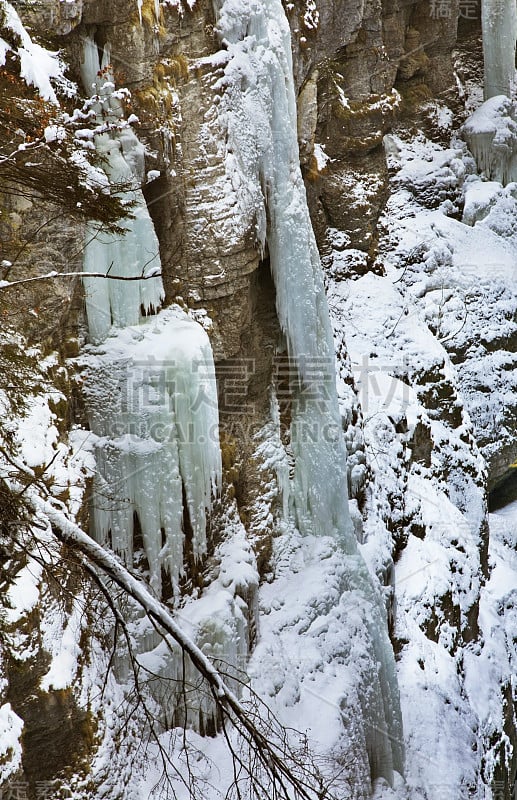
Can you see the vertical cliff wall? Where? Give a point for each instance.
(384, 212)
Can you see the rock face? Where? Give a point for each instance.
(362, 68)
(349, 60)
(52, 16)
(387, 57)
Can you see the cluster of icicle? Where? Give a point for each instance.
(149, 375)
(491, 132)
(260, 113)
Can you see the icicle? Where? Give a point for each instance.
(134, 252)
(499, 26)
(491, 134)
(152, 401)
(130, 254)
(90, 65)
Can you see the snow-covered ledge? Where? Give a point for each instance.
(491, 135)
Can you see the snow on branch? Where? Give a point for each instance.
(289, 779)
(153, 273)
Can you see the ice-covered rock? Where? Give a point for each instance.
(480, 196)
(491, 134)
(152, 402)
(499, 24)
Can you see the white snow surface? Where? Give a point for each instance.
(11, 727)
(61, 639)
(313, 668)
(446, 287)
(23, 594)
(495, 666)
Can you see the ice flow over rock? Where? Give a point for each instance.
(149, 377)
(134, 252)
(499, 25)
(259, 112)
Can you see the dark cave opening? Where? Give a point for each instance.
(504, 493)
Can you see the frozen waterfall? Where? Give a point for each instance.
(135, 252)
(491, 134)
(259, 112)
(491, 130)
(152, 402)
(149, 382)
(499, 25)
(263, 156)
(151, 398)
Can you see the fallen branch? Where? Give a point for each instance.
(284, 779)
(52, 275)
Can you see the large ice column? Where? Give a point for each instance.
(152, 404)
(259, 111)
(499, 25)
(134, 252)
(264, 159)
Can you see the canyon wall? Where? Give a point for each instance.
(415, 413)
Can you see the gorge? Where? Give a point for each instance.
(283, 409)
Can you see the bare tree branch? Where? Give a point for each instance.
(53, 275)
(270, 754)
